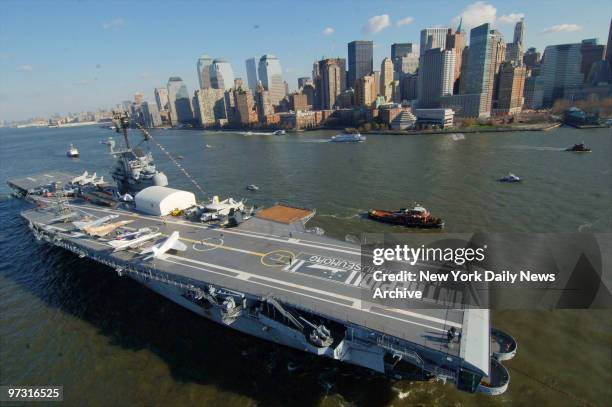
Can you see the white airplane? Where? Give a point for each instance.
(80, 178)
(131, 235)
(92, 223)
(104, 230)
(159, 250)
(128, 244)
(64, 218)
(98, 181)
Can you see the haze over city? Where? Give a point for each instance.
(92, 55)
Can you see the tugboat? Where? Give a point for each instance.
(510, 178)
(579, 148)
(416, 217)
(72, 151)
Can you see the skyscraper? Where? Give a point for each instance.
(161, 98)
(221, 74)
(245, 106)
(560, 73)
(531, 58)
(515, 49)
(455, 41)
(399, 50)
(179, 102)
(479, 74)
(432, 38)
(251, 69)
(511, 87)
(609, 48)
(386, 79)
(329, 82)
(303, 81)
(591, 52)
(263, 103)
(436, 73)
(271, 77)
(365, 91)
(203, 66)
(360, 60)
(211, 106)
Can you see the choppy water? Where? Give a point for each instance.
(110, 341)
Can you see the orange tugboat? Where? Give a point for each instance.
(417, 217)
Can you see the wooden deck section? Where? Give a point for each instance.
(284, 214)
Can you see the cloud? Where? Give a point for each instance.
(476, 14)
(562, 28)
(328, 30)
(376, 24)
(25, 68)
(405, 21)
(511, 18)
(115, 24)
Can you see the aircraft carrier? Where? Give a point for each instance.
(262, 272)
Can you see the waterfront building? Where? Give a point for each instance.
(386, 79)
(138, 98)
(271, 77)
(560, 73)
(405, 120)
(441, 118)
(263, 103)
(245, 107)
(436, 73)
(360, 60)
(466, 105)
(590, 52)
(161, 98)
(150, 115)
(533, 94)
(432, 38)
(179, 102)
(365, 91)
(203, 67)
(328, 83)
(211, 106)
(346, 99)
(479, 75)
(221, 74)
(299, 102)
(511, 87)
(251, 70)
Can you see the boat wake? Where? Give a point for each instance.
(534, 148)
(321, 140)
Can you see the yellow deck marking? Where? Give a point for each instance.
(277, 258)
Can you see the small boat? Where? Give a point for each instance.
(510, 178)
(209, 146)
(72, 151)
(348, 138)
(416, 217)
(252, 187)
(279, 133)
(579, 148)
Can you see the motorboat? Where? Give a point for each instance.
(510, 178)
(72, 151)
(579, 148)
(252, 187)
(279, 133)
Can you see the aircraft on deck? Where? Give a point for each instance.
(159, 250)
(81, 225)
(124, 244)
(104, 230)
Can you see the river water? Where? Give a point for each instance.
(110, 341)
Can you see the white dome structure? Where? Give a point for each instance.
(160, 201)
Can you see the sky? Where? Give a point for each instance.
(66, 56)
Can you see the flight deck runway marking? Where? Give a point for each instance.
(278, 258)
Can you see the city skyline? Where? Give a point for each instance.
(86, 68)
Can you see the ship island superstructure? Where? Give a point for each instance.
(263, 273)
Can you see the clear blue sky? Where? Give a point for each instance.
(61, 56)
